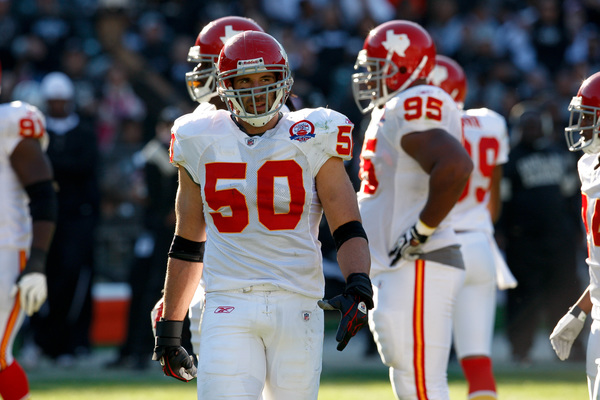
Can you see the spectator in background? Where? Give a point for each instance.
(61, 329)
(538, 228)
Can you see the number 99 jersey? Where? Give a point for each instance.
(259, 195)
(18, 121)
(394, 187)
(485, 137)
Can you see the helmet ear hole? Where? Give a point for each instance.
(403, 69)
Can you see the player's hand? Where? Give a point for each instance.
(31, 286)
(353, 304)
(156, 314)
(409, 246)
(173, 358)
(566, 331)
(32, 290)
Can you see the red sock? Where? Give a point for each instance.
(479, 375)
(13, 383)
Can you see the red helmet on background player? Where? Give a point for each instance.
(584, 123)
(395, 54)
(201, 82)
(450, 76)
(247, 53)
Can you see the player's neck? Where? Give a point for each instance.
(254, 130)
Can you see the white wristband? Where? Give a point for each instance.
(578, 313)
(423, 229)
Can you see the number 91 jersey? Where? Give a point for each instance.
(260, 203)
(18, 121)
(394, 187)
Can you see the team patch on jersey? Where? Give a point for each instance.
(224, 309)
(302, 131)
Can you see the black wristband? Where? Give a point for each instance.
(578, 313)
(359, 284)
(168, 333)
(36, 262)
(347, 231)
(186, 250)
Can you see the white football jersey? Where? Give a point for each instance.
(590, 203)
(485, 137)
(394, 187)
(18, 120)
(259, 196)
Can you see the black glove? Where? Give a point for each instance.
(409, 246)
(354, 304)
(175, 361)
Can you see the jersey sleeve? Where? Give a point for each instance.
(22, 121)
(332, 135)
(183, 148)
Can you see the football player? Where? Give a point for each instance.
(485, 137)
(413, 171)
(256, 182)
(583, 134)
(27, 225)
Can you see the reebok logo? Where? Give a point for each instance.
(224, 309)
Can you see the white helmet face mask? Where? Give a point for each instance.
(583, 130)
(273, 95)
(202, 81)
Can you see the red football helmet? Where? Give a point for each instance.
(394, 54)
(584, 123)
(450, 76)
(201, 82)
(249, 53)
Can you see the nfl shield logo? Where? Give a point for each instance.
(250, 141)
(306, 315)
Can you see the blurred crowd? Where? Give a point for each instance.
(127, 62)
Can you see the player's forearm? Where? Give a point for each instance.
(181, 282)
(354, 257)
(585, 302)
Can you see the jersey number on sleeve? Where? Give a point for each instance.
(237, 219)
(486, 162)
(31, 128)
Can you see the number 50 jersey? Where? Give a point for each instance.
(259, 196)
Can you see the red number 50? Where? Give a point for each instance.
(234, 200)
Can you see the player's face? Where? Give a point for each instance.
(256, 101)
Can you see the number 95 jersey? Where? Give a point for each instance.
(394, 187)
(260, 202)
(18, 121)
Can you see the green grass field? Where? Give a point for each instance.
(548, 381)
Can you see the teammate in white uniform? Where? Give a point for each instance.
(27, 225)
(485, 137)
(256, 182)
(413, 170)
(583, 133)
